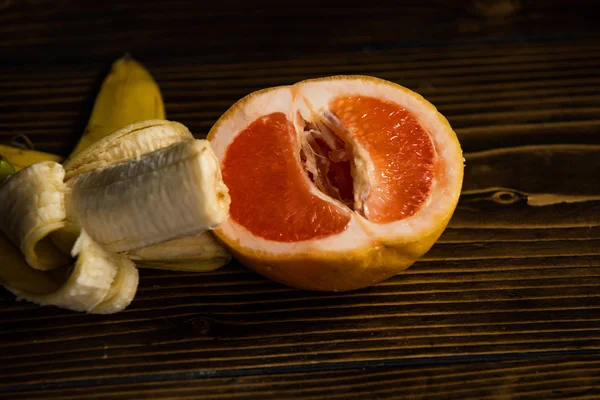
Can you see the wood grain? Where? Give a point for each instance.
(504, 306)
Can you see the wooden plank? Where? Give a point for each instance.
(516, 379)
(517, 234)
(569, 170)
(432, 72)
(309, 29)
(402, 58)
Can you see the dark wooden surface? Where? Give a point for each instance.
(505, 306)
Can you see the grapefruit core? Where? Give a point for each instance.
(335, 183)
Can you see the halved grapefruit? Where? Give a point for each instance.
(335, 183)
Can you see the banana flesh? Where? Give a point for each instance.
(33, 205)
(166, 194)
(122, 290)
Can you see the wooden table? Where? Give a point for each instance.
(505, 306)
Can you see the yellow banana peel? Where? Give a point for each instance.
(21, 158)
(128, 94)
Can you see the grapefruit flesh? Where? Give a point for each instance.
(270, 198)
(335, 183)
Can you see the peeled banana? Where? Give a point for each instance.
(169, 193)
(136, 187)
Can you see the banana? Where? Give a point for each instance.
(147, 193)
(128, 94)
(166, 194)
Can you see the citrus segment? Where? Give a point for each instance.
(269, 195)
(400, 149)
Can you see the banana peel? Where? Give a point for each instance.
(128, 94)
(199, 253)
(20, 158)
(6, 170)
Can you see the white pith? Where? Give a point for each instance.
(360, 232)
